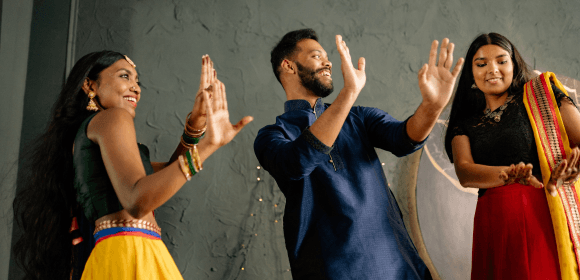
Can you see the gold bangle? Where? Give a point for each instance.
(182, 142)
(183, 165)
(196, 158)
(194, 135)
(190, 129)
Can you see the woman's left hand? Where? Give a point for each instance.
(208, 77)
(566, 172)
(436, 80)
(220, 130)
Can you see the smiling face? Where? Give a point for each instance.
(116, 87)
(314, 69)
(493, 70)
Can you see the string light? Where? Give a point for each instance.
(260, 199)
(259, 179)
(382, 163)
(258, 167)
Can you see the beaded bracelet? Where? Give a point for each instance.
(184, 168)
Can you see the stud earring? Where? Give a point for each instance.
(92, 105)
(474, 86)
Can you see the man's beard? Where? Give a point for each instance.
(308, 80)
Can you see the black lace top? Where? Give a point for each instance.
(509, 141)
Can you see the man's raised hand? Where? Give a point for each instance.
(436, 80)
(354, 79)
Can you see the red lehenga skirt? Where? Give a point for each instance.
(513, 237)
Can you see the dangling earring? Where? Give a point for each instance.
(92, 105)
(474, 86)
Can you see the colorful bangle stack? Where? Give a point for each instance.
(190, 163)
(191, 136)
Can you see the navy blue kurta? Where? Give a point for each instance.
(341, 220)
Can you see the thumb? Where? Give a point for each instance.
(361, 64)
(243, 122)
(423, 74)
(534, 182)
(551, 188)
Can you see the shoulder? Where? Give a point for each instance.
(110, 122)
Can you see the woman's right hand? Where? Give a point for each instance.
(220, 130)
(565, 173)
(520, 173)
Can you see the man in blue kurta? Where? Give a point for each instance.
(341, 220)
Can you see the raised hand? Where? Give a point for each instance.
(565, 173)
(220, 130)
(354, 79)
(520, 173)
(436, 80)
(208, 77)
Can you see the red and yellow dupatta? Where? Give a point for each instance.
(553, 146)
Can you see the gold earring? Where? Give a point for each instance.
(92, 105)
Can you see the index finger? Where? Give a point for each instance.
(342, 49)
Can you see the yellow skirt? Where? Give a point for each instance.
(130, 253)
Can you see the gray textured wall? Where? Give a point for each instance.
(14, 40)
(226, 219)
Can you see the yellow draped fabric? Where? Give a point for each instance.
(130, 257)
(553, 145)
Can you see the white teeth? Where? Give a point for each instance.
(493, 80)
(131, 99)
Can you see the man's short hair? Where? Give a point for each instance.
(287, 47)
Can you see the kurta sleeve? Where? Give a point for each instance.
(294, 159)
(388, 133)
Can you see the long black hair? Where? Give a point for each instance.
(468, 101)
(46, 200)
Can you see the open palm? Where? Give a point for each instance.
(220, 130)
(436, 80)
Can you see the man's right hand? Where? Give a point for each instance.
(354, 79)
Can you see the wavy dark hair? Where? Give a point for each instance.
(468, 101)
(46, 200)
(287, 47)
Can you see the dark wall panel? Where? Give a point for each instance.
(46, 70)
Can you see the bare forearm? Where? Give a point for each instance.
(327, 127)
(422, 122)
(479, 176)
(154, 190)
